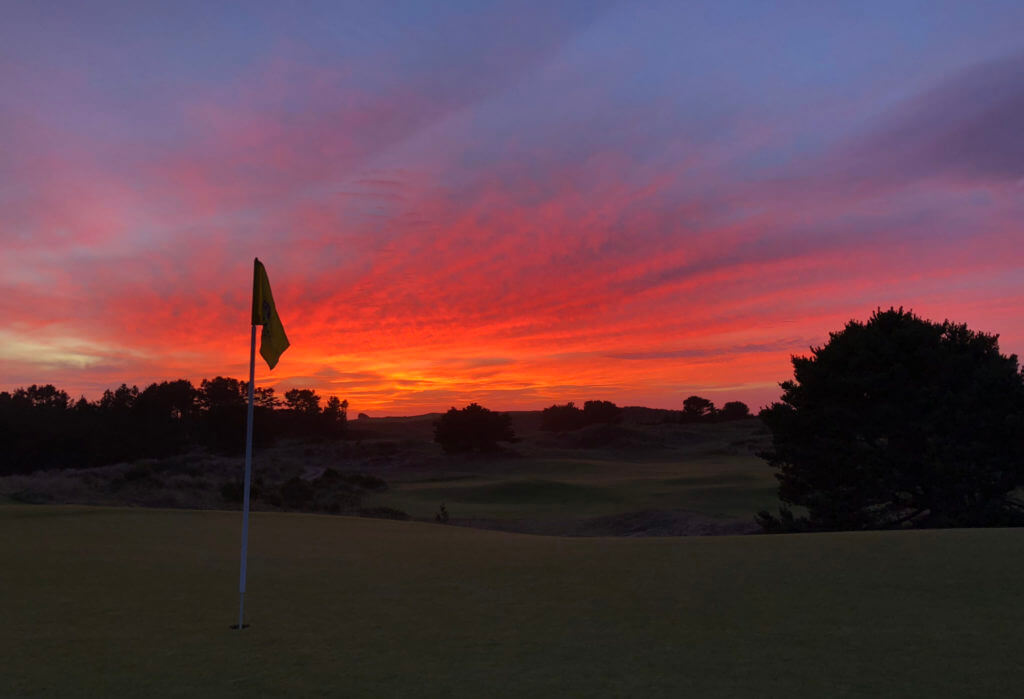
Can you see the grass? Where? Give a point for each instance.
(136, 602)
(711, 470)
(547, 483)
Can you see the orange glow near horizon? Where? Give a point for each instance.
(457, 208)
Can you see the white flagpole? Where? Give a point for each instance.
(248, 479)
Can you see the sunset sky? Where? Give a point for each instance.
(512, 203)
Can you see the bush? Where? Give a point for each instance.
(565, 418)
(900, 421)
(474, 428)
(601, 411)
(561, 418)
(697, 409)
(734, 410)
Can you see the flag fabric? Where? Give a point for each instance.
(273, 341)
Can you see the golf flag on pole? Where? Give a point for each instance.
(273, 341)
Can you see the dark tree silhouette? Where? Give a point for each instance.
(335, 417)
(223, 403)
(303, 401)
(595, 411)
(562, 418)
(167, 401)
(565, 418)
(38, 429)
(734, 410)
(47, 397)
(121, 400)
(41, 428)
(474, 428)
(223, 392)
(696, 409)
(899, 421)
(263, 397)
(163, 416)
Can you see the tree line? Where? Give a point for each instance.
(41, 427)
(478, 429)
(565, 418)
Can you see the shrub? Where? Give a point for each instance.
(474, 428)
(900, 421)
(601, 411)
(561, 418)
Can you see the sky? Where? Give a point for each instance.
(512, 203)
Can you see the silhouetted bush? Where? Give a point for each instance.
(601, 411)
(335, 418)
(474, 428)
(561, 418)
(900, 421)
(565, 418)
(697, 409)
(734, 410)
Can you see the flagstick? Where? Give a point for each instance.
(248, 478)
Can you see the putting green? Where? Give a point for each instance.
(132, 602)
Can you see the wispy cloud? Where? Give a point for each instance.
(518, 205)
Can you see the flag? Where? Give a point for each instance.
(273, 341)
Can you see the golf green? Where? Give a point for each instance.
(136, 602)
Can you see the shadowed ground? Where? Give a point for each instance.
(605, 480)
(130, 602)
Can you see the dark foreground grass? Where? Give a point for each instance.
(105, 602)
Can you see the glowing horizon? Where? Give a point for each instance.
(517, 206)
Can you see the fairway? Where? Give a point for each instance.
(549, 486)
(133, 603)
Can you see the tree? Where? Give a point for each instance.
(565, 418)
(595, 411)
(696, 409)
(561, 418)
(734, 410)
(162, 417)
(899, 421)
(223, 401)
(170, 400)
(223, 392)
(474, 428)
(303, 401)
(120, 400)
(264, 397)
(335, 416)
(47, 397)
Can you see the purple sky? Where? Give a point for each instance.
(514, 203)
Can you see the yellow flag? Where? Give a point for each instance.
(273, 341)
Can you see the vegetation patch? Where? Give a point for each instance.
(530, 491)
